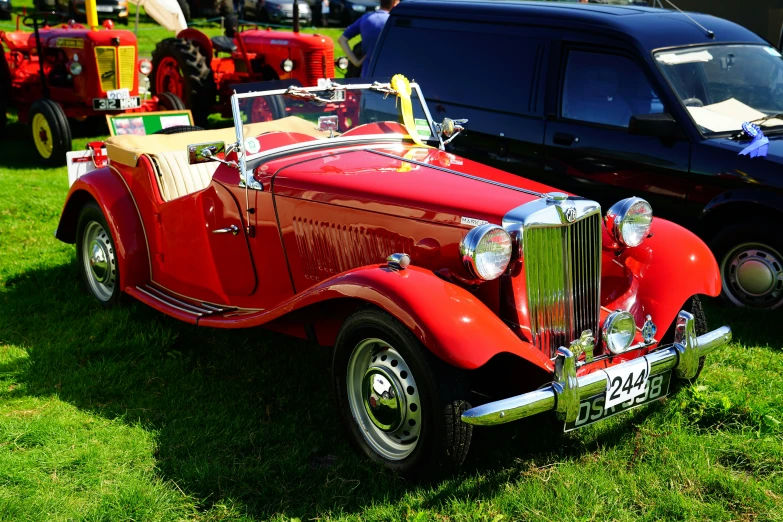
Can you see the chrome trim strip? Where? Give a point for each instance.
(565, 394)
(197, 314)
(456, 173)
(232, 308)
(165, 297)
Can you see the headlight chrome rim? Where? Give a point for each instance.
(618, 225)
(287, 65)
(470, 250)
(610, 330)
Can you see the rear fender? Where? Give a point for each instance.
(107, 188)
(451, 322)
(659, 276)
(200, 40)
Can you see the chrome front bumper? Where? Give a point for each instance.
(567, 391)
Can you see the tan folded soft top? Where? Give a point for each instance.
(128, 148)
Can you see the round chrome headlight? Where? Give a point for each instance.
(618, 331)
(342, 63)
(287, 65)
(75, 68)
(486, 251)
(628, 221)
(145, 67)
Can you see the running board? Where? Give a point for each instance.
(186, 310)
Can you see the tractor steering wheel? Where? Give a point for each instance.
(27, 21)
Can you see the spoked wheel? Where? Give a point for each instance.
(96, 255)
(751, 266)
(400, 404)
(51, 132)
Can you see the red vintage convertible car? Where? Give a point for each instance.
(453, 294)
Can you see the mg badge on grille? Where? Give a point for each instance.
(570, 214)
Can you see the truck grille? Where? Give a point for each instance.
(114, 73)
(563, 277)
(318, 64)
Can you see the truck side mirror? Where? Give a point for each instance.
(656, 125)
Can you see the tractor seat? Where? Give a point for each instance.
(223, 44)
(177, 178)
(16, 41)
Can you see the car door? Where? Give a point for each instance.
(588, 148)
(203, 248)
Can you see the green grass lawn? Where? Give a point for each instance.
(127, 414)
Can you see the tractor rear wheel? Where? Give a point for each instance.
(170, 102)
(179, 67)
(51, 132)
(5, 91)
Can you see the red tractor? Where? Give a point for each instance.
(189, 65)
(66, 71)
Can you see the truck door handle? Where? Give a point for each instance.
(232, 229)
(561, 138)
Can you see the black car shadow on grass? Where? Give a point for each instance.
(242, 417)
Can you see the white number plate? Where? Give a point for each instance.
(118, 94)
(594, 409)
(626, 381)
(106, 104)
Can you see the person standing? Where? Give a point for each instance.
(369, 26)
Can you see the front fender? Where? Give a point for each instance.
(108, 189)
(659, 276)
(451, 322)
(200, 40)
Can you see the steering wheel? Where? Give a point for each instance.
(693, 102)
(27, 21)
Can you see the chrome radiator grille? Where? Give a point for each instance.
(563, 276)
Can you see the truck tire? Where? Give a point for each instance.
(179, 67)
(400, 405)
(50, 131)
(170, 102)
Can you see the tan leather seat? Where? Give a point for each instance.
(177, 178)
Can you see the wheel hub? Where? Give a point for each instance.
(753, 276)
(384, 403)
(99, 261)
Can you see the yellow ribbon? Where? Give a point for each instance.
(403, 87)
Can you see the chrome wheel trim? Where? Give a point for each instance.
(384, 399)
(99, 260)
(752, 276)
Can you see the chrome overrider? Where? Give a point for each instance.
(567, 391)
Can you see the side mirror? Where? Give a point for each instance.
(450, 128)
(655, 125)
(205, 152)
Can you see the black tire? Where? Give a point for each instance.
(59, 135)
(737, 243)
(692, 305)
(5, 92)
(90, 216)
(443, 440)
(199, 83)
(170, 102)
(178, 129)
(185, 6)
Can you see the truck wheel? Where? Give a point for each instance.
(51, 132)
(693, 305)
(170, 102)
(96, 256)
(179, 67)
(400, 405)
(750, 258)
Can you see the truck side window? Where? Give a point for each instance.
(606, 88)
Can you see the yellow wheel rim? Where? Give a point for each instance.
(42, 136)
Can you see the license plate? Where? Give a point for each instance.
(594, 409)
(104, 8)
(117, 104)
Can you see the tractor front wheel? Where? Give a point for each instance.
(179, 68)
(170, 102)
(51, 132)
